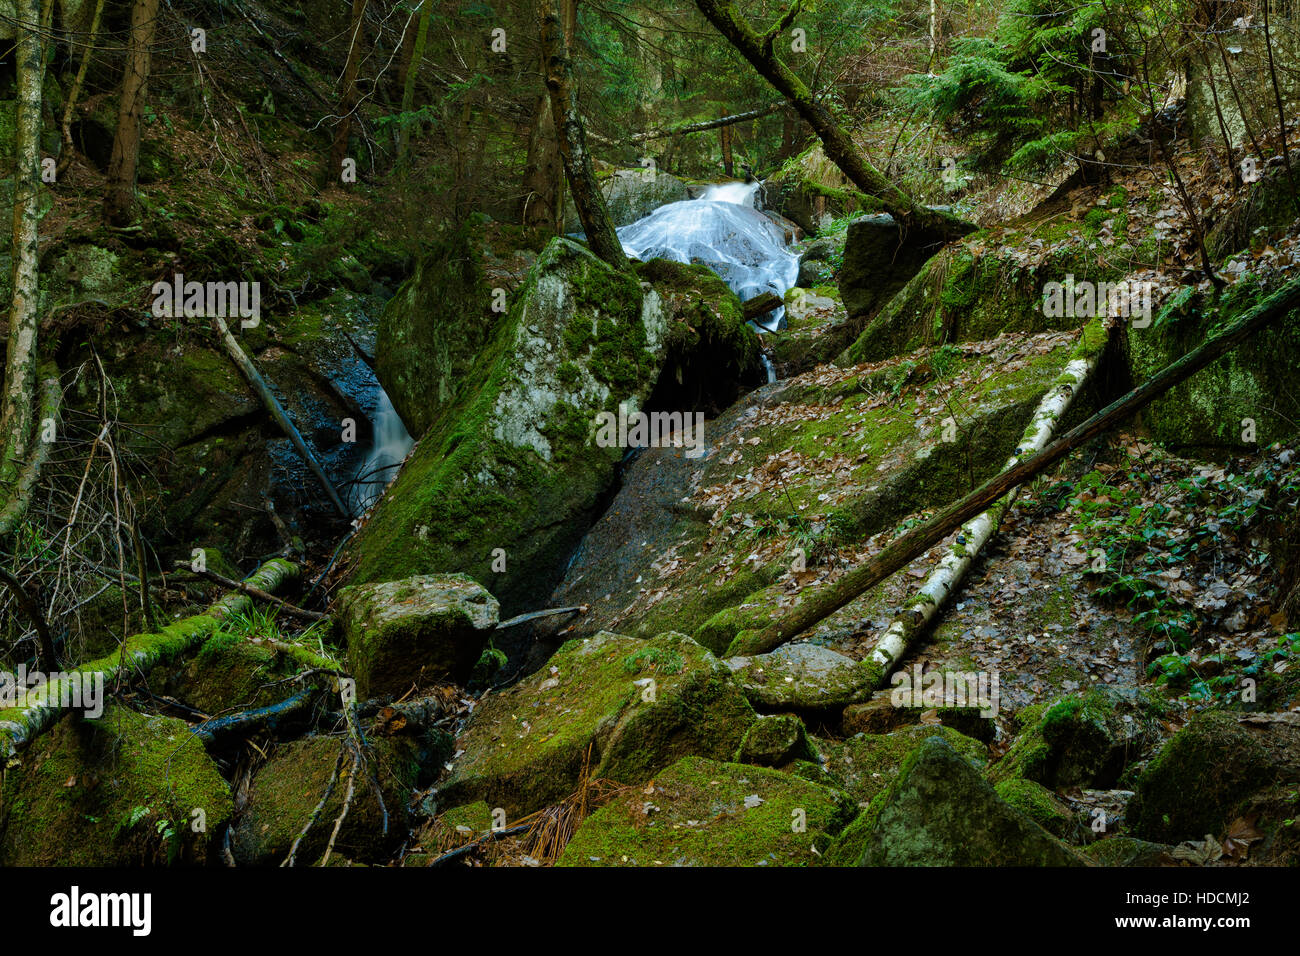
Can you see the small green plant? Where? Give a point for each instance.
(654, 659)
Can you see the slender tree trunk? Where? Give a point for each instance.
(75, 91)
(119, 204)
(836, 142)
(543, 179)
(724, 132)
(1281, 112)
(413, 71)
(821, 604)
(18, 425)
(587, 197)
(348, 102)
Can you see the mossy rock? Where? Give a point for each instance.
(879, 260)
(1254, 381)
(1043, 807)
(416, 631)
(433, 330)
(867, 764)
(512, 477)
(636, 705)
(125, 789)
(775, 740)
(289, 786)
(630, 194)
(967, 294)
(803, 677)
(942, 812)
(1206, 772)
(1084, 741)
(702, 812)
(712, 351)
(881, 715)
(1128, 851)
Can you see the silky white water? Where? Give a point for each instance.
(391, 444)
(723, 231)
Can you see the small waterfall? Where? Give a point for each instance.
(391, 445)
(723, 231)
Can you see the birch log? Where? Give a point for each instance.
(21, 724)
(948, 574)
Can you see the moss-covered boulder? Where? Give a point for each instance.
(1246, 399)
(711, 350)
(1043, 807)
(415, 631)
(701, 812)
(804, 677)
(289, 786)
(432, 331)
(973, 291)
(1084, 741)
(942, 812)
(125, 789)
(879, 259)
(635, 705)
(775, 740)
(1206, 773)
(881, 715)
(866, 764)
(506, 483)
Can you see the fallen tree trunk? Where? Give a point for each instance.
(836, 142)
(251, 591)
(763, 302)
(709, 124)
(218, 731)
(254, 377)
(920, 539)
(139, 653)
(947, 575)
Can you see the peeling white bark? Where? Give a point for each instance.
(948, 574)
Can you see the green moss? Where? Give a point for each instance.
(1040, 805)
(93, 793)
(706, 813)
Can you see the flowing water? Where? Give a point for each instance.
(391, 444)
(723, 231)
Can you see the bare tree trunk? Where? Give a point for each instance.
(724, 132)
(17, 418)
(119, 204)
(75, 91)
(837, 144)
(587, 197)
(348, 103)
(543, 179)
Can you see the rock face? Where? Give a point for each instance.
(866, 764)
(704, 813)
(503, 489)
(289, 786)
(122, 790)
(707, 546)
(432, 331)
(878, 261)
(941, 812)
(804, 677)
(1220, 763)
(415, 631)
(632, 194)
(638, 705)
